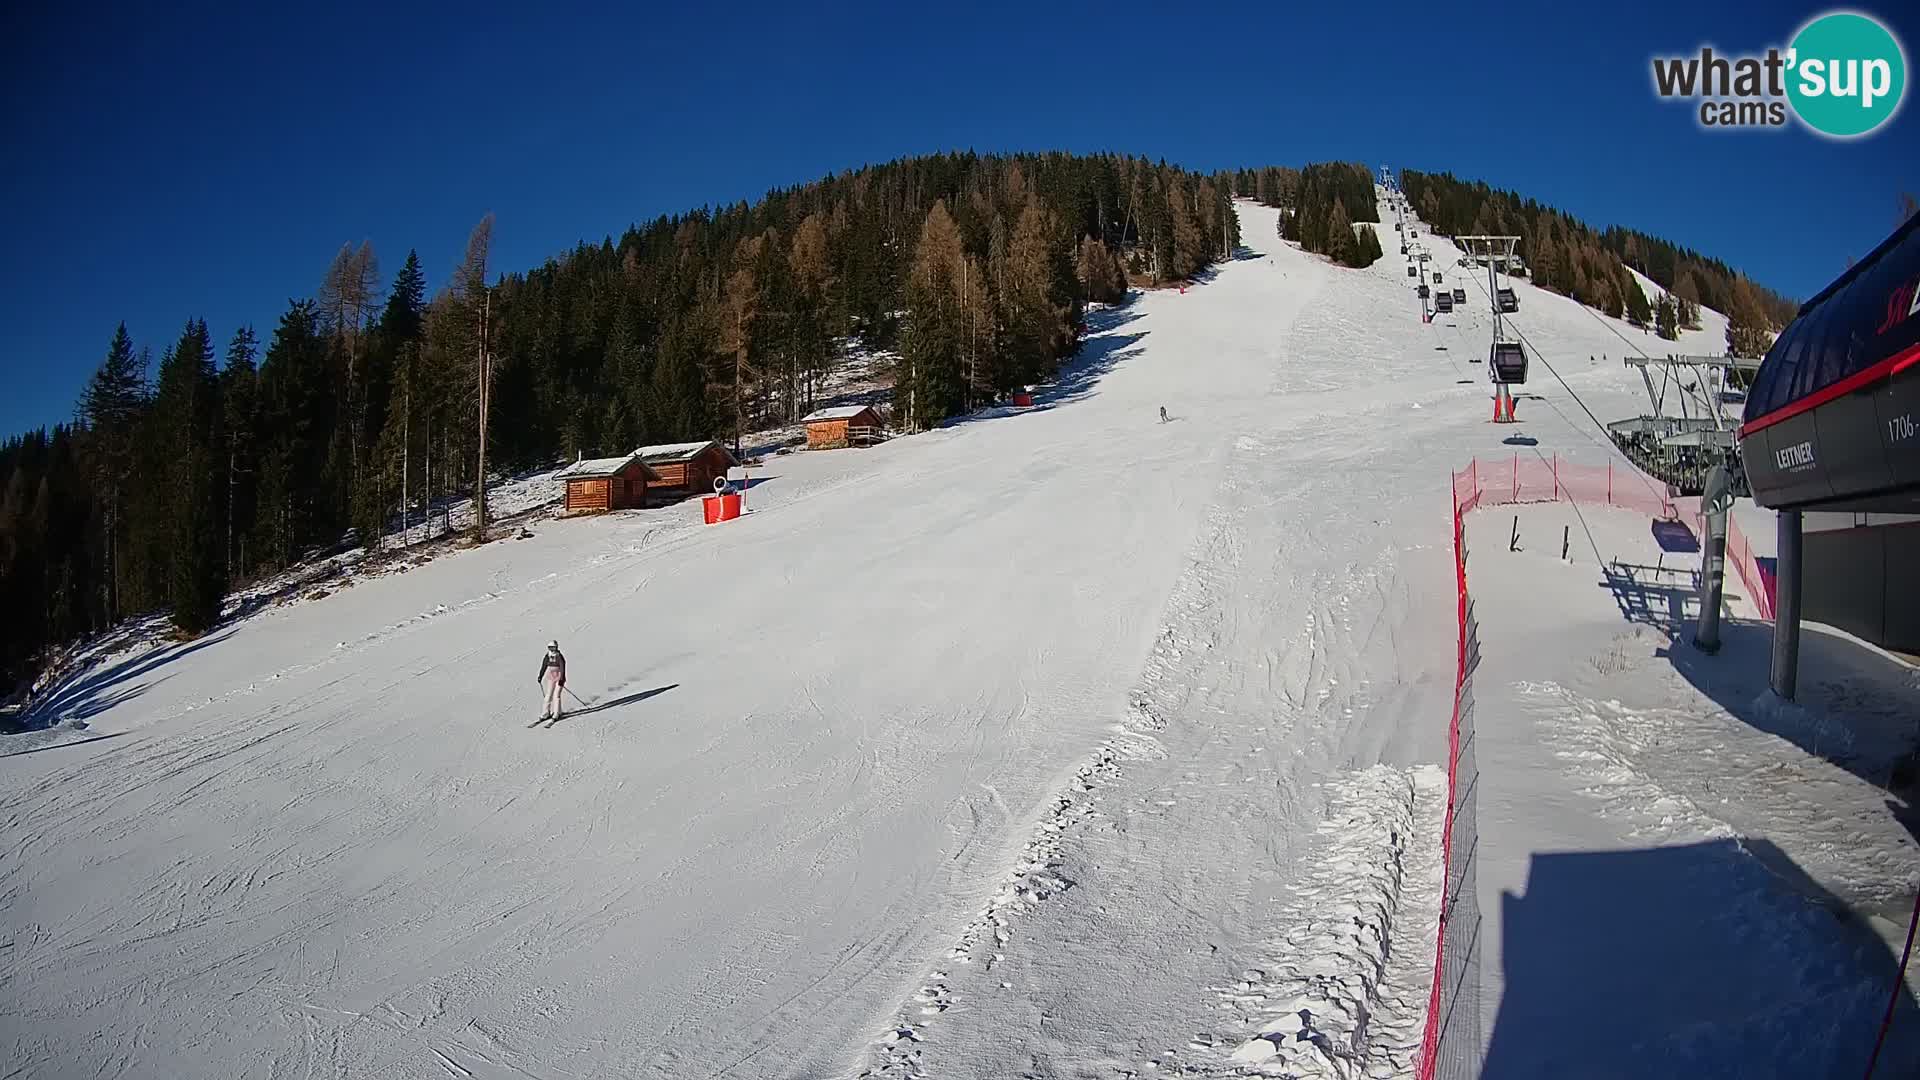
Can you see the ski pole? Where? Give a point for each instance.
(575, 696)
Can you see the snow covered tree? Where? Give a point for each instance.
(1665, 318)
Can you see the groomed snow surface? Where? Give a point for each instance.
(1058, 742)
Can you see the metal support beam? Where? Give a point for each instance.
(1786, 608)
(1716, 499)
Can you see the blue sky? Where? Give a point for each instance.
(209, 162)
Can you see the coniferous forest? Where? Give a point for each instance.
(237, 452)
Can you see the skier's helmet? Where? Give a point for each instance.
(553, 645)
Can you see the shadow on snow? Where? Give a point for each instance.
(603, 706)
(1720, 958)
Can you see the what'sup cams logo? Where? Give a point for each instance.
(1843, 76)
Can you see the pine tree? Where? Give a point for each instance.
(1639, 312)
(392, 471)
(292, 441)
(237, 397)
(1342, 247)
(187, 409)
(1037, 306)
(1099, 273)
(930, 385)
(741, 303)
(1369, 247)
(813, 284)
(1665, 318)
(111, 406)
(406, 302)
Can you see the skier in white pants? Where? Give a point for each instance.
(553, 672)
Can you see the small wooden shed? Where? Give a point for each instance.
(682, 469)
(848, 425)
(597, 485)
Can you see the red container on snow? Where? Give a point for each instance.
(1023, 400)
(719, 508)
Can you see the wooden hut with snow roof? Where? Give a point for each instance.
(597, 485)
(682, 469)
(848, 425)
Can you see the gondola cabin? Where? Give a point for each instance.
(1832, 429)
(1436, 277)
(1833, 417)
(1403, 249)
(1459, 295)
(1508, 362)
(1423, 290)
(598, 485)
(849, 425)
(685, 468)
(1413, 271)
(1443, 301)
(1507, 300)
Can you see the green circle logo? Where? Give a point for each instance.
(1846, 74)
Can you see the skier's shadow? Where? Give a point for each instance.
(602, 706)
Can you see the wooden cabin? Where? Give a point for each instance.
(597, 485)
(849, 425)
(682, 469)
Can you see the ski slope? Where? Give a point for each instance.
(1053, 743)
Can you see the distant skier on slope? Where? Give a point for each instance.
(553, 673)
(1163, 414)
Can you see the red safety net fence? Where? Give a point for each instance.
(1536, 478)
(1450, 1046)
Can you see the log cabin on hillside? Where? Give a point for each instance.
(849, 425)
(682, 469)
(597, 485)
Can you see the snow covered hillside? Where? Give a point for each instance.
(1060, 742)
